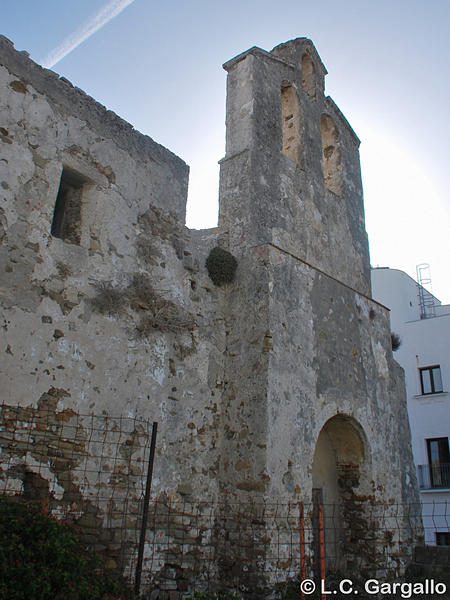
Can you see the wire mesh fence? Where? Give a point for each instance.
(260, 546)
(92, 469)
(85, 469)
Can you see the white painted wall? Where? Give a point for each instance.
(425, 342)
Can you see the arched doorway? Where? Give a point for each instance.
(340, 484)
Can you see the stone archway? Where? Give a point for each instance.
(341, 483)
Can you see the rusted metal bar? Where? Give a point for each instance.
(302, 546)
(321, 551)
(44, 509)
(148, 485)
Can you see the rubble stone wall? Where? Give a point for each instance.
(108, 307)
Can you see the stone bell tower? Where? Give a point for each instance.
(314, 403)
(291, 175)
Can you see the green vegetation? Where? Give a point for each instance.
(213, 596)
(42, 559)
(395, 341)
(221, 266)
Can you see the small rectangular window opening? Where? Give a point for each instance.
(66, 223)
(442, 538)
(431, 380)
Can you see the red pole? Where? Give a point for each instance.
(321, 550)
(302, 547)
(44, 508)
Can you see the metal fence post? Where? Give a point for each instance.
(148, 485)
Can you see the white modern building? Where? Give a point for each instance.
(423, 325)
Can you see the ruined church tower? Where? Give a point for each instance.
(272, 391)
(315, 405)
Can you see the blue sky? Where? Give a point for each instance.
(158, 65)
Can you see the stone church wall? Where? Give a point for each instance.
(119, 316)
(275, 387)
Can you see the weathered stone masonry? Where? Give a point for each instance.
(264, 388)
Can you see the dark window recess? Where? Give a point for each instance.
(431, 380)
(442, 538)
(439, 461)
(66, 223)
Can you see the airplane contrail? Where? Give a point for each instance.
(92, 25)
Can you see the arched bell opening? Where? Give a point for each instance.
(290, 122)
(331, 156)
(308, 76)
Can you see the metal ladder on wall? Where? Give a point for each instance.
(426, 299)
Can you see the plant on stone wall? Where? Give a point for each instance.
(140, 292)
(109, 300)
(163, 315)
(147, 250)
(396, 341)
(41, 558)
(159, 313)
(221, 266)
(154, 311)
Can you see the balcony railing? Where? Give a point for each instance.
(433, 476)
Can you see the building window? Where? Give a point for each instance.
(442, 538)
(66, 223)
(431, 380)
(439, 462)
(290, 122)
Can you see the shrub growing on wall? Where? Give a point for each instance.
(396, 341)
(221, 266)
(42, 559)
(156, 313)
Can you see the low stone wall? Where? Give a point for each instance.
(432, 562)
